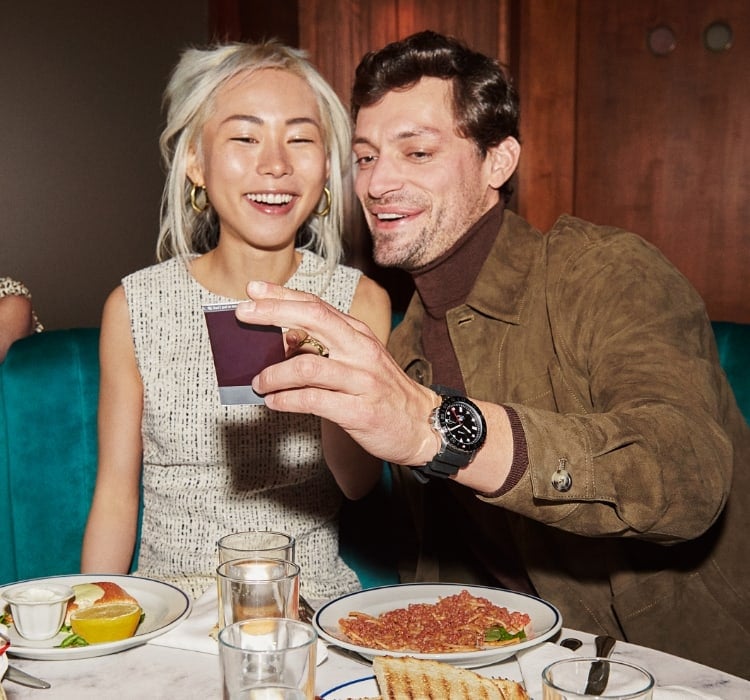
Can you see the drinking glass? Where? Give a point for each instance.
(257, 587)
(256, 543)
(568, 680)
(268, 658)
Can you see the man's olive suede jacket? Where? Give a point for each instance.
(607, 355)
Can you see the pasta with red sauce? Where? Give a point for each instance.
(455, 623)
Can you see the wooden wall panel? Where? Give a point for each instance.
(609, 132)
(337, 33)
(478, 23)
(663, 142)
(544, 61)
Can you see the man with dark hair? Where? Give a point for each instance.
(554, 402)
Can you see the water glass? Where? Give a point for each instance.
(568, 680)
(268, 658)
(256, 543)
(257, 587)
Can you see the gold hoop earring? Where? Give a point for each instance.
(197, 191)
(327, 209)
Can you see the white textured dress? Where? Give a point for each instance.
(210, 469)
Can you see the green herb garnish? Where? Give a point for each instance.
(498, 633)
(73, 640)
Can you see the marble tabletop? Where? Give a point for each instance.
(155, 672)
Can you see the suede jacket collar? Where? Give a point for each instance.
(498, 293)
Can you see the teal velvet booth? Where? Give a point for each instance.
(49, 386)
(733, 343)
(48, 402)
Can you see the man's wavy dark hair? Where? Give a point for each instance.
(485, 103)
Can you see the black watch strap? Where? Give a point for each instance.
(448, 461)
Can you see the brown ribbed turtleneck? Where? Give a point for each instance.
(443, 285)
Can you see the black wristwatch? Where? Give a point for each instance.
(462, 430)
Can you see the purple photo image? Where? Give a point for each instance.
(240, 351)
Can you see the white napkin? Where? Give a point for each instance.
(534, 660)
(194, 632)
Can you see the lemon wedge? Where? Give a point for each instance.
(106, 623)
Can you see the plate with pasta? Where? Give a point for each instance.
(463, 625)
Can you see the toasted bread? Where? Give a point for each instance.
(98, 593)
(407, 678)
(511, 690)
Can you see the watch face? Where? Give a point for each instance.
(462, 423)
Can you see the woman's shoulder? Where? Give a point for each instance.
(370, 292)
(372, 305)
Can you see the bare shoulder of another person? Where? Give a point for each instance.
(372, 305)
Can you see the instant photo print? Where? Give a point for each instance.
(240, 351)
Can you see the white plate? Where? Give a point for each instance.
(545, 618)
(360, 688)
(3, 664)
(164, 606)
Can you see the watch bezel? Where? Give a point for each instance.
(441, 422)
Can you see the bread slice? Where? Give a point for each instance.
(99, 593)
(511, 690)
(407, 678)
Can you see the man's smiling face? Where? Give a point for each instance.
(421, 185)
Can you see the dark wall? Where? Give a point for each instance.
(80, 116)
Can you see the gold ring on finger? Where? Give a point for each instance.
(322, 349)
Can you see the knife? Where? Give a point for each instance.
(16, 675)
(599, 671)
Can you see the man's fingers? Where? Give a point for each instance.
(289, 308)
(306, 314)
(310, 369)
(266, 290)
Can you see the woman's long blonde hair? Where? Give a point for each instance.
(189, 101)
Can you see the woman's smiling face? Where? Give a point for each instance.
(262, 157)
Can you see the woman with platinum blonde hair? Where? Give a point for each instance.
(258, 155)
(189, 96)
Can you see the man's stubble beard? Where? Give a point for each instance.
(438, 234)
(388, 253)
(411, 251)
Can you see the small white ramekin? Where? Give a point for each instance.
(38, 609)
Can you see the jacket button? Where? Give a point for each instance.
(561, 478)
